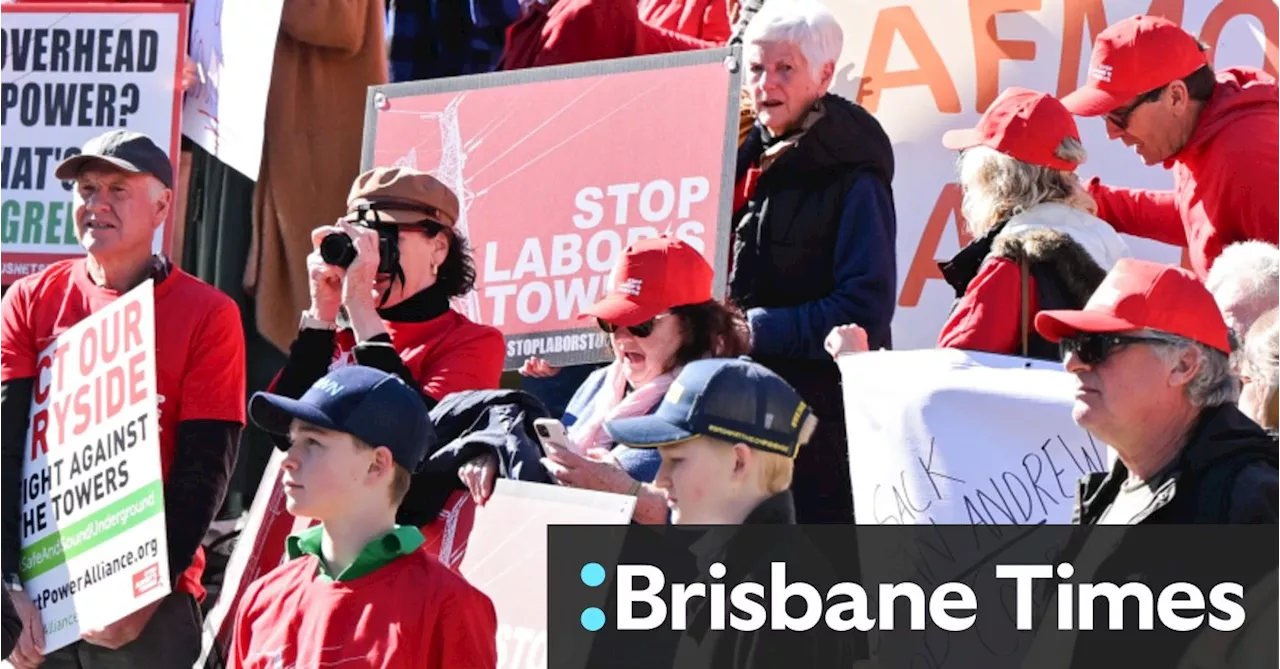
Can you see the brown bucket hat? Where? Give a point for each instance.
(402, 195)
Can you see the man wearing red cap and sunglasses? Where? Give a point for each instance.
(1149, 352)
(1154, 86)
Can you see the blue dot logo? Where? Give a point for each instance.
(592, 574)
(592, 619)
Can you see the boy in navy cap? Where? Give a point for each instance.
(728, 431)
(355, 438)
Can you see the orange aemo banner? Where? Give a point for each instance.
(558, 169)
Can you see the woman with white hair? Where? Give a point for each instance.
(1037, 244)
(814, 229)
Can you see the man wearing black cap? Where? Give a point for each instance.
(123, 194)
(358, 587)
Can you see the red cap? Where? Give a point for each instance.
(1140, 295)
(1023, 124)
(653, 276)
(1132, 57)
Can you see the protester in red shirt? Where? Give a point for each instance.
(560, 32)
(706, 20)
(357, 588)
(1217, 133)
(396, 316)
(122, 195)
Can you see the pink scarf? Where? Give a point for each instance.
(613, 402)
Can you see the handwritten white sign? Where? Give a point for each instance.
(233, 44)
(954, 437)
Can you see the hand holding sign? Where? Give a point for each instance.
(846, 339)
(123, 630)
(30, 649)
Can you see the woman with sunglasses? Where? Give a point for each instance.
(1036, 242)
(659, 316)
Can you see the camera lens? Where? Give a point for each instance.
(543, 431)
(337, 250)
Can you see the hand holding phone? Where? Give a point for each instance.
(552, 434)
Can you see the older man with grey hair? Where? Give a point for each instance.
(1150, 355)
(1245, 282)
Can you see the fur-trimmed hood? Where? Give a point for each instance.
(1094, 235)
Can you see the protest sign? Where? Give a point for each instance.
(225, 110)
(507, 556)
(260, 547)
(93, 532)
(558, 169)
(950, 437)
(924, 67)
(72, 72)
(954, 437)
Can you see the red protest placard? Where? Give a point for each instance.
(559, 169)
(72, 71)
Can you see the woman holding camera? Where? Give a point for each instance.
(381, 282)
(659, 316)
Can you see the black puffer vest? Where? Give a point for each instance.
(785, 235)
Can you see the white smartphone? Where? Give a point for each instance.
(551, 432)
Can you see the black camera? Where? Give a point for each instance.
(338, 250)
(542, 431)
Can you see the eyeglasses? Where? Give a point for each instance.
(1093, 348)
(1120, 118)
(640, 330)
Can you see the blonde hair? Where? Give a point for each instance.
(998, 186)
(776, 470)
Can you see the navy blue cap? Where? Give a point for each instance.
(372, 405)
(734, 400)
(127, 150)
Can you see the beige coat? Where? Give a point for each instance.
(327, 55)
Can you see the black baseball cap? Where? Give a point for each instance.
(372, 405)
(730, 399)
(125, 149)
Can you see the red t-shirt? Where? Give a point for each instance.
(410, 613)
(200, 362)
(446, 354)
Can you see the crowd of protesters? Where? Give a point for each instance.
(388, 401)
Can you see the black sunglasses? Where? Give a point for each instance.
(1120, 117)
(1093, 348)
(640, 330)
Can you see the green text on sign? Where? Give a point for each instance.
(88, 533)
